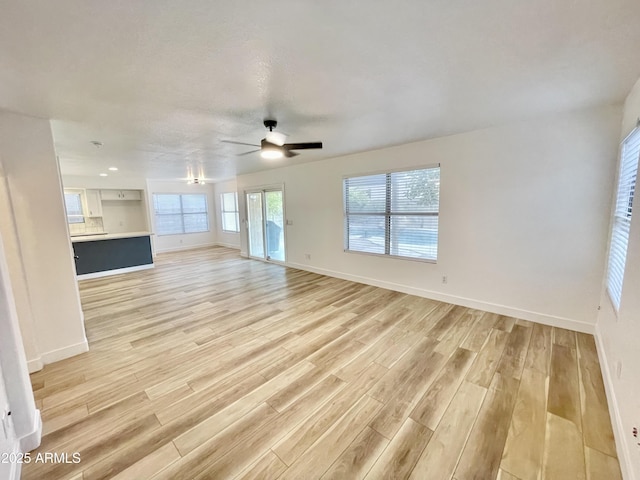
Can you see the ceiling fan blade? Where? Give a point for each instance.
(289, 153)
(302, 146)
(239, 143)
(247, 153)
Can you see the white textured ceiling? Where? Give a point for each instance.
(162, 82)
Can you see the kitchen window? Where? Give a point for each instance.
(73, 205)
(393, 214)
(230, 213)
(180, 213)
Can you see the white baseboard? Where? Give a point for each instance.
(117, 271)
(619, 432)
(185, 247)
(537, 317)
(35, 365)
(31, 440)
(66, 352)
(228, 245)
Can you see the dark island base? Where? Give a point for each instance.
(112, 254)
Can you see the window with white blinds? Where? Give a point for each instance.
(230, 213)
(73, 205)
(180, 213)
(393, 213)
(622, 216)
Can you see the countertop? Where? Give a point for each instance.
(108, 236)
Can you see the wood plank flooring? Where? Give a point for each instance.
(211, 366)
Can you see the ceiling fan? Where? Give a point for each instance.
(273, 146)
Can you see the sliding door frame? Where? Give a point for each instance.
(263, 190)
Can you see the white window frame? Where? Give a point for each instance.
(236, 211)
(75, 218)
(182, 213)
(388, 214)
(622, 211)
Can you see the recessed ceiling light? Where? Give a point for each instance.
(103, 175)
(113, 169)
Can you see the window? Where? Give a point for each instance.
(230, 217)
(180, 213)
(393, 213)
(622, 216)
(73, 205)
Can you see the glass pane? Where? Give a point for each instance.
(255, 225)
(415, 191)
(230, 222)
(366, 194)
(169, 224)
(229, 202)
(414, 236)
(166, 203)
(275, 225)
(196, 222)
(73, 204)
(194, 203)
(366, 233)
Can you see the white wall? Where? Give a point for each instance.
(523, 219)
(226, 239)
(113, 181)
(34, 222)
(124, 216)
(618, 334)
(24, 425)
(167, 243)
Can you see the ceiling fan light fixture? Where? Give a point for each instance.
(270, 153)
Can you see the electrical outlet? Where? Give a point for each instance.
(444, 280)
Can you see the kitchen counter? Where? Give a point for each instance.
(107, 236)
(113, 253)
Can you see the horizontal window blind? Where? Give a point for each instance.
(73, 205)
(180, 213)
(628, 172)
(230, 212)
(393, 213)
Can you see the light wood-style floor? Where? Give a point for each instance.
(212, 366)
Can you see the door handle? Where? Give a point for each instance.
(76, 257)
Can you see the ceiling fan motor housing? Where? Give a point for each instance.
(270, 124)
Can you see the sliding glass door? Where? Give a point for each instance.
(265, 224)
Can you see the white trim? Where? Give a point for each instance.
(35, 365)
(185, 247)
(31, 440)
(394, 170)
(228, 245)
(537, 317)
(117, 271)
(65, 352)
(16, 468)
(620, 433)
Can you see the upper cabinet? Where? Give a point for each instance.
(121, 194)
(94, 203)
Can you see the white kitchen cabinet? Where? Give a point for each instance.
(131, 194)
(121, 194)
(94, 203)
